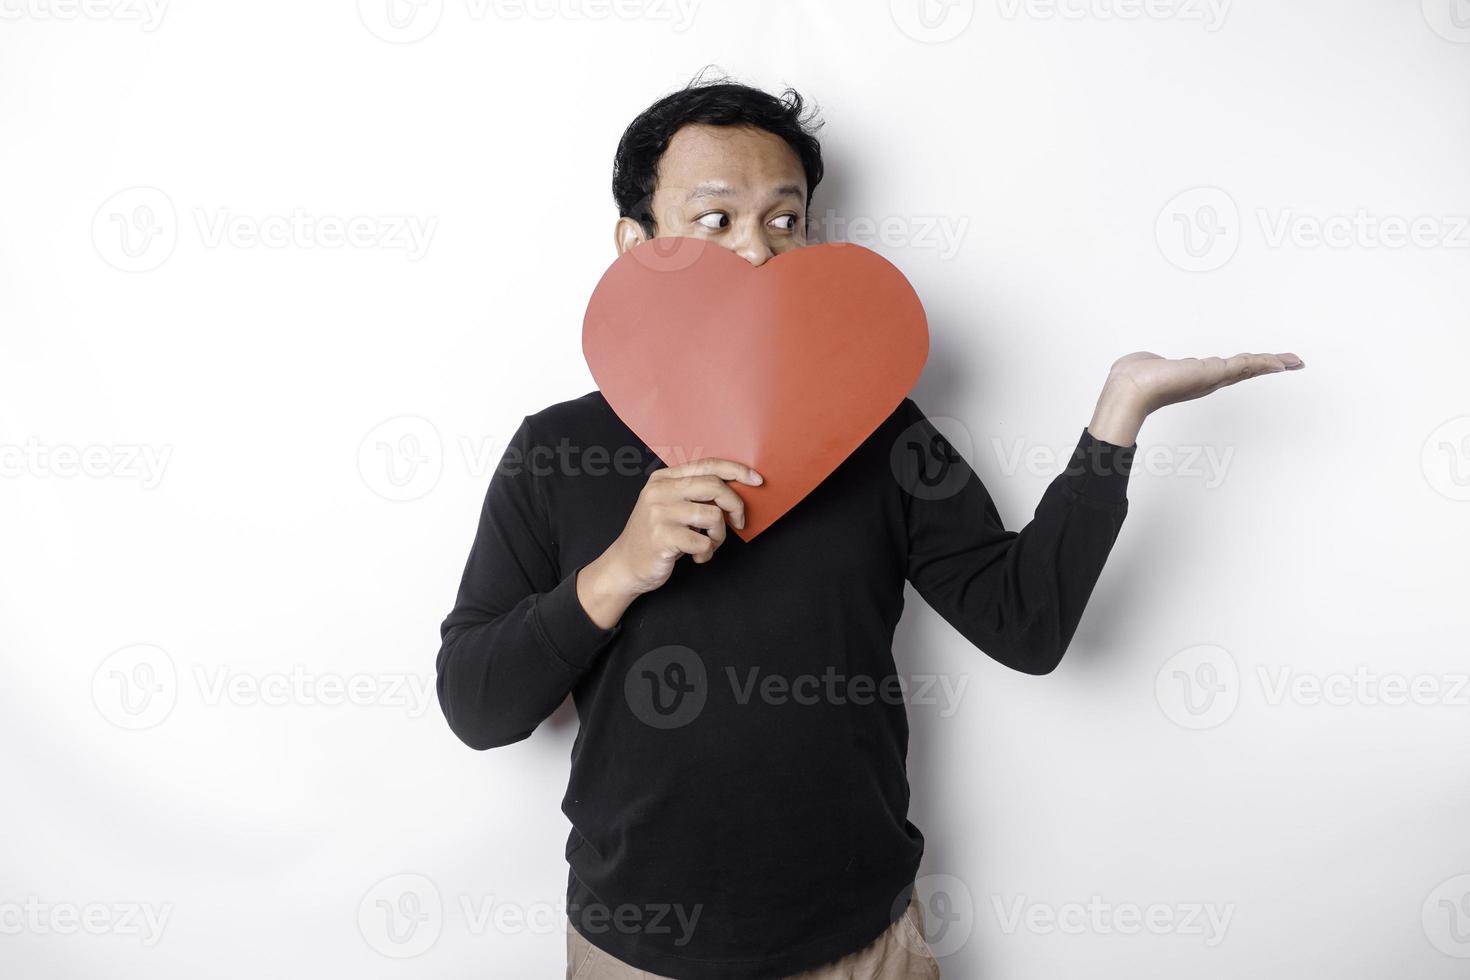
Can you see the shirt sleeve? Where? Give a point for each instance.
(518, 638)
(1016, 595)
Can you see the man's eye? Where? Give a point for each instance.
(786, 222)
(714, 220)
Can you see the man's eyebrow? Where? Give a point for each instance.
(710, 189)
(721, 189)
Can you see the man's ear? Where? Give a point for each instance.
(627, 234)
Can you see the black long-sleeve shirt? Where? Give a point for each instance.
(738, 791)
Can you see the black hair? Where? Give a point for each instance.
(714, 102)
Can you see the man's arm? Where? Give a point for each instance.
(523, 630)
(1017, 596)
(518, 637)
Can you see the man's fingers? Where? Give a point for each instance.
(1242, 366)
(692, 514)
(717, 535)
(728, 501)
(710, 489)
(691, 542)
(714, 532)
(725, 469)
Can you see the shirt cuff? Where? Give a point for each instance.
(566, 627)
(1099, 470)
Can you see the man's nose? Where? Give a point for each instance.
(755, 249)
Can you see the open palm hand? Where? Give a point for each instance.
(1160, 381)
(1142, 382)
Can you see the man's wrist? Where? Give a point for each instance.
(1119, 414)
(600, 593)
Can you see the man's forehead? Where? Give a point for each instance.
(705, 161)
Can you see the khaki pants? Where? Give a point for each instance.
(899, 954)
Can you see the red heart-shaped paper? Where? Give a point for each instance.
(786, 367)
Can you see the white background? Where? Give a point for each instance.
(321, 421)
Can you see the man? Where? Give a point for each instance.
(723, 827)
